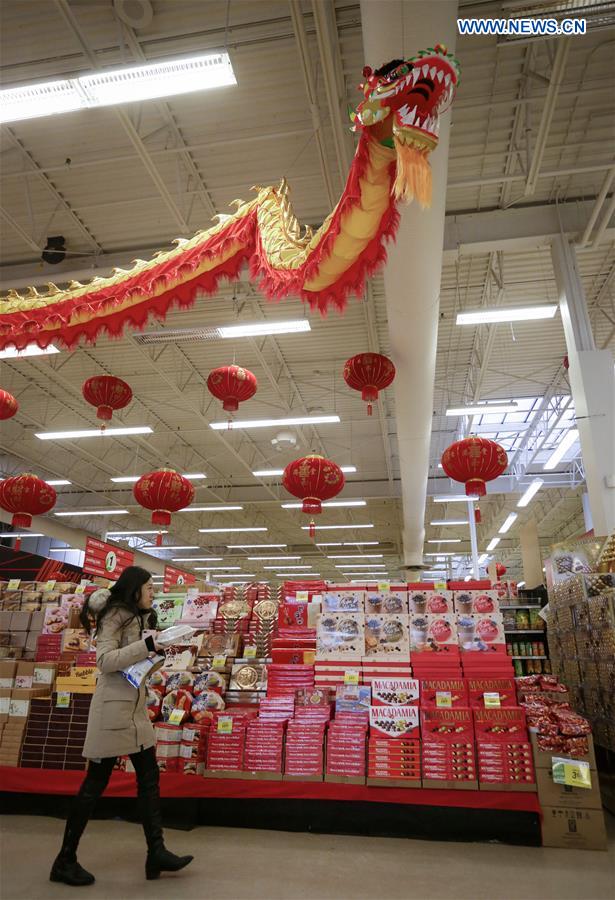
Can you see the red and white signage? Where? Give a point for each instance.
(176, 578)
(106, 561)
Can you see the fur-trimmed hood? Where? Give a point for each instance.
(98, 600)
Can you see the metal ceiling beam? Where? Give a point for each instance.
(555, 81)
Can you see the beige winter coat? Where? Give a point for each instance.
(118, 723)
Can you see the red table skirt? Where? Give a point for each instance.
(122, 784)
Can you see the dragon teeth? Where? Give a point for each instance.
(415, 74)
(411, 116)
(447, 79)
(440, 75)
(425, 71)
(432, 73)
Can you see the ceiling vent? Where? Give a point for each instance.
(135, 13)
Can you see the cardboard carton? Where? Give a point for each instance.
(543, 759)
(551, 794)
(573, 829)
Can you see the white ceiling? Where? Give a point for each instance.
(118, 186)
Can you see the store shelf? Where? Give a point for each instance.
(524, 631)
(522, 606)
(529, 657)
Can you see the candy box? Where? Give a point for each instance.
(200, 610)
(352, 698)
(430, 632)
(436, 603)
(480, 632)
(342, 601)
(502, 690)
(504, 724)
(447, 725)
(386, 602)
(387, 637)
(480, 602)
(395, 691)
(437, 692)
(394, 721)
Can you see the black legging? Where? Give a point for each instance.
(99, 773)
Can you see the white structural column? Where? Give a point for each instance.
(395, 29)
(592, 379)
(530, 554)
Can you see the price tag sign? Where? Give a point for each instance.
(225, 725)
(572, 773)
(384, 587)
(302, 596)
(63, 699)
(13, 584)
(218, 662)
(440, 585)
(50, 585)
(80, 589)
(249, 652)
(492, 699)
(177, 716)
(444, 699)
(351, 676)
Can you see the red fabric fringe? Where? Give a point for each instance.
(101, 305)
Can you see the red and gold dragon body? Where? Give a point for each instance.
(398, 122)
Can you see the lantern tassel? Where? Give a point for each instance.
(369, 409)
(312, 528)
(17, 543)
(159, 539)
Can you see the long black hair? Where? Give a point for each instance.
(124, 594)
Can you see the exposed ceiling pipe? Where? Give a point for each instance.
(606, 184)
(557, 74)
(606, 218)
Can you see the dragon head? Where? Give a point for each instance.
(402, 107)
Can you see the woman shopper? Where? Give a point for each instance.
(118, 724)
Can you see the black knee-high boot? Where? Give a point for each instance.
(159, 859)
(65, 868)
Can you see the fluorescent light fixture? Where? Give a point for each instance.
(509, 521)
(168, 78)
(270, 473)
(375, 575)
(292, 326)
(209, 508)
(482, 559)
(226, 530)
(222, 575)
(272, 557)
(31, 349)
(256, 546)
(328, 503)
(492, 544)
(333, 527)
(131, 479)
(562, 448)
(275, 423)
(449, 522)
(520, 584)
(331, 544)
(510, 314)
(154, 549)
(217, 568)
(91, 432)
(482, 409)
(60, 482)
(280, 566)
(445, 541)
(94, 512)
(121, 534)
(20, 534)
(444, 553)
(357, 544)
(533, 489)
(358, 556)
(302, 574)
(197, 559)
(371, 566)
(453, 498)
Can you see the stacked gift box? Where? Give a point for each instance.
(504, 750)
(394, 749)
(55, 732)
(264, 747)
(448, 754)
(25, 610)
(305, 736)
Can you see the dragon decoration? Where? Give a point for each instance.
(397, 122)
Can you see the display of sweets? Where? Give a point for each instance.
(395, 691)
(480, 632)
(444, 692)
(352, 698)
(494, 691)
(387, 635)
(395, 721)
(342, 601)
(431, 632)
(341, 635)
(392, 602)
(469, 602)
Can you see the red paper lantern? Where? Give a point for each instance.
(107, 393)
(164, 492)
(313, 479)
(8, 405)
(500, 569)
(474, 461)
(369, 373)
(232, 385)
(25, 496)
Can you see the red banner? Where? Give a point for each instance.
(176, 578)
(106, 561)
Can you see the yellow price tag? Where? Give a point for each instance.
(571, 773)
(249, 652)
(13, 584)
(177, 716)
(440, 585)
(49, 586)
(225, 725)
(384, 587)
(218, 662)
(63, 699)
(302, 596)
(492, 699)
(444, 699)
(80, 589)
(351, 676)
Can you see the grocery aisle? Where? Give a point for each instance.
(243, 864)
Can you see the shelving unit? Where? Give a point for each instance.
(529, 657)
(524, 631)
(521, 606)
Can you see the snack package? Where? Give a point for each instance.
(341, 635)
(387, 637)
(390, 602)
(205, 705)
(179, 699)
(395, 691)
(342, 601)
(480, 632)
(209, 681)
(480, 602)
(430, 631)
(395, 721)
(200, 610)
(177, 680)
(352, 698)
(153, 702)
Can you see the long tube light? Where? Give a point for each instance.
(256, 546)
(512, 314)
(222, 575)
(66, 550)
(91, 432)
(533, 489)
(562, 448)
(259, 558)
(121, 534)
(20, 534)
(280, 566)
(210, 508)
(371, 566)
(275, 423)
(332, 527)
(483, 409)
(228, 530)
(349, 544)
(453, 498)
(271, 473)
(260, 329)
(358, 556)
(93, 512)
(493, 544)
(303, 575)
(197, 559)
(328, 503)
(152, 549)
(482, 559)
(31, 349)
(509, 521)
(57, 482)
(131, 479)
(445, 541)
(108, 88)
(449, 522)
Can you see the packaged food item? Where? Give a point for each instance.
(395, 721)
(175, 680)
(205, 704)
(176, 700)
(387, 636)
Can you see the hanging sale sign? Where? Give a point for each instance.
(106, 561)
(176, 578)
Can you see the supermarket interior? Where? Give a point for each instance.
(307, 449)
